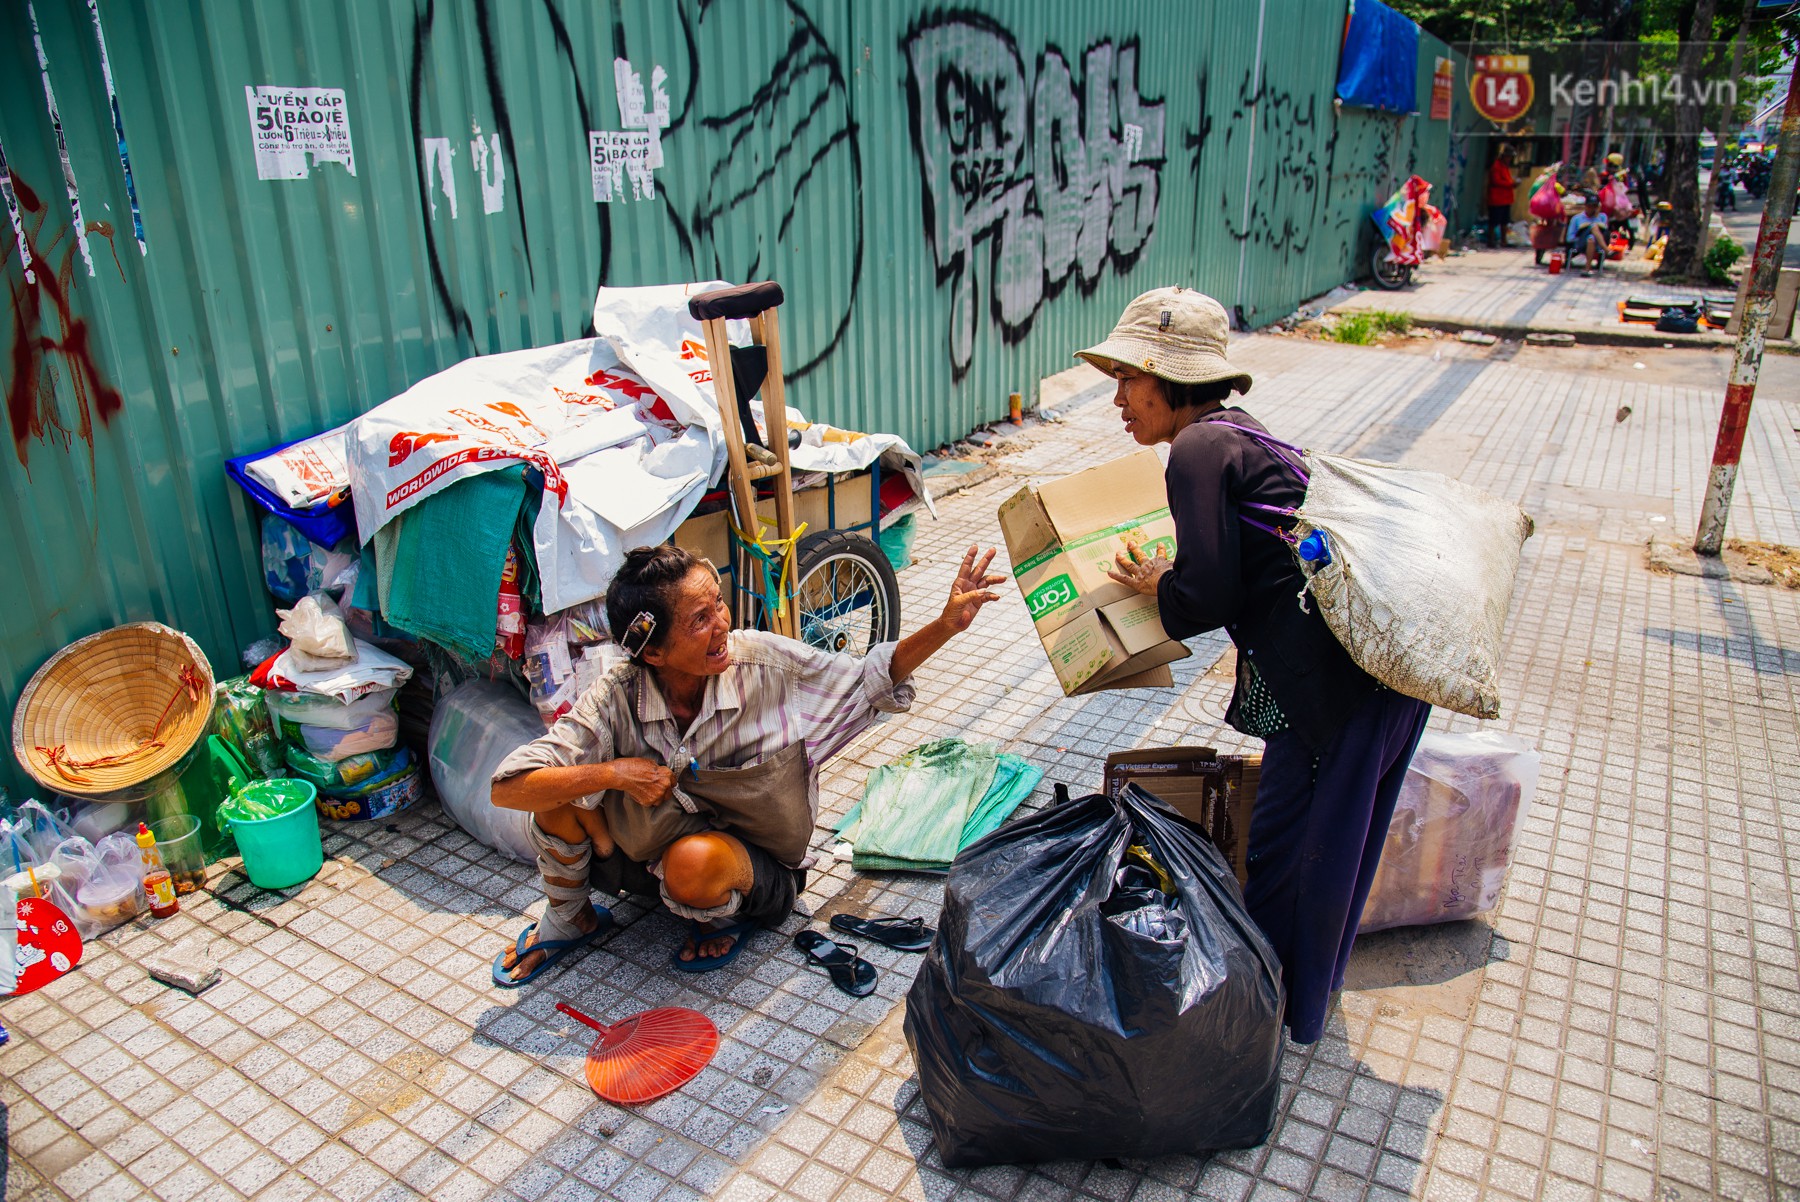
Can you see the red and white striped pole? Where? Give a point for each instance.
(1759, 300)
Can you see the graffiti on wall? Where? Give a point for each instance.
(1313, 175)
(1057, 175)
(730, 214)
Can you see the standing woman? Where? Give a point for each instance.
(1501, 183)
(1337, 742)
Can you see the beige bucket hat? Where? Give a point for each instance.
(1175, 333)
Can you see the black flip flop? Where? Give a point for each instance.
(901, 934)
(853, 975)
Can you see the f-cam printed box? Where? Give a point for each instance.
(1062, 537)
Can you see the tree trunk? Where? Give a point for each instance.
(1681, 258)
(1725, 119)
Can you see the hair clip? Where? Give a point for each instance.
(637, 633)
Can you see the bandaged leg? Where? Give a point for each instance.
(564, 868)
(705, 876)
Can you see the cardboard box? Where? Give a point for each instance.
(1215, 792)
(1062, 537)
(710, 534)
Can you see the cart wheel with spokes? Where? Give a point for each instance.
(1390, 273)
(847, 596)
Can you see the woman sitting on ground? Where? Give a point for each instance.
(690, 768)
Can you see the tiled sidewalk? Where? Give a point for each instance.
(1502, 291)
(1626, 1025)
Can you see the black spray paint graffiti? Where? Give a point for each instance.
(1059, 184)
(779, 146)
(1299, 161)
(798, 124)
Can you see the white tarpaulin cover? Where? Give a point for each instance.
(622, 426)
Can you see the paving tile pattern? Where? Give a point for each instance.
(1625, 1025)
(1505, 288)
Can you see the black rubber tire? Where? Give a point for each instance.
(831, 561)
(1388, 275)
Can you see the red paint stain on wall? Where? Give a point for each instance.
(37, 352)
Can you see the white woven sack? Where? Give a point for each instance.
(1420, 578)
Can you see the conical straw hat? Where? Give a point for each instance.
(113, 710)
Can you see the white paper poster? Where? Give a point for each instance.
(288, 124)
(618, 155)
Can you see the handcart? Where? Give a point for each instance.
(832, 588)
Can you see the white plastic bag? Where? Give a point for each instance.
(319, 639)
(472, 730)
(1454, 829)
(315, 709)
(372, 669)
(307, 472)
(1418, 576)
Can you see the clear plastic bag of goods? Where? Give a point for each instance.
(1454, 829)
(57, 877)
(377, 734)
(318, 636)
(114, 891)
(39, 830)
(317, 709)
(472, 730)
(1096, 989)
(550, 668)
(1419, 577)
(241, 718)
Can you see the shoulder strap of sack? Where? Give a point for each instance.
(1294, 459)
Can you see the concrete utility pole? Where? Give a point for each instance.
(1759, 300)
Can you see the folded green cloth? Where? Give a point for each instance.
(932, 802)
(439, 563)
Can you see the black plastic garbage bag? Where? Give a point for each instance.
(1096, 989)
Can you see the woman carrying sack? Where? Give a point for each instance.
(1337, 741)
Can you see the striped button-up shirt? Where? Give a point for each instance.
(775, 693)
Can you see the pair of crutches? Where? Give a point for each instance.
(755, 303)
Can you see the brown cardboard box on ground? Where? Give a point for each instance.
(1215, 792)
(1062, 537)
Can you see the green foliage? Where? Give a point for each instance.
(1511, 21)
(1367, 327)
(1719, 258)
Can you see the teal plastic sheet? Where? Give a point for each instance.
(439, 563)
(918, 812)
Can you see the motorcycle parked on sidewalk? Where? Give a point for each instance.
(1411, 228)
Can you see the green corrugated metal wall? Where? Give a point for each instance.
(953, 198)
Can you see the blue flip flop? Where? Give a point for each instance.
(738, 934)
(557, 949)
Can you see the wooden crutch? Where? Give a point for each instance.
(755, 303)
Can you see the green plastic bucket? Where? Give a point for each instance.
(279, 851)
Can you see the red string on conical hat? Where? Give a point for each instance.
(643, 1057)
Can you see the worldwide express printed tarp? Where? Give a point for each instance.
(623, 428)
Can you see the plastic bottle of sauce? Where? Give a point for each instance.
(159, 886)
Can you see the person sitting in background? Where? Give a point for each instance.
(1587, 234)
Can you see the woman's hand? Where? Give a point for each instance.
(969, 591)
(1139, 572)
(648, 782)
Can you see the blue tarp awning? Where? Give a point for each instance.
(1380, 63)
